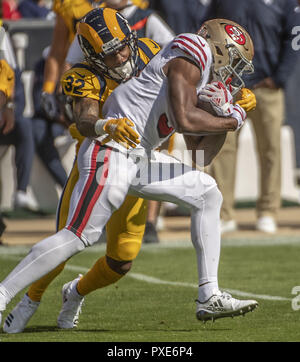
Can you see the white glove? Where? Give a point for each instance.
(240, 115)
(219, 97)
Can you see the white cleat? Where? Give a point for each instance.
(221, 305)
(71, 305)
(18, 318)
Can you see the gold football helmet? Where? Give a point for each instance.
(104, 31)
(232, 49)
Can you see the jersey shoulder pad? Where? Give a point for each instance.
(148, 48)
(82, 81)
(195, 47)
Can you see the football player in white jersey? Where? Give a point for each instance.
(161, 100)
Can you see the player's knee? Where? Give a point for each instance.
(120, 267)
(129, 249)
(213, 198)
(62, 245)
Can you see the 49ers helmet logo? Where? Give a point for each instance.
(235, 34)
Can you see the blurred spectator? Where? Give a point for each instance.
(67, 13)
(7, 79)
(292, 105)
(145, 21)
(270, 25)
(183, 16)
(33, 9)
(17, 130)
(10, 10)
(45, 131)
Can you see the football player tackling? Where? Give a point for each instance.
(162, 100)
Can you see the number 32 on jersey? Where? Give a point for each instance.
(73, 85)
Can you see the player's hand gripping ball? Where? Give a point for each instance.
(219, 98)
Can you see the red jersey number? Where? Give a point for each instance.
(162, 126)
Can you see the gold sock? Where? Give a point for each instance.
(99, 276)
(38, 288)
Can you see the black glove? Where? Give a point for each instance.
(49, 105)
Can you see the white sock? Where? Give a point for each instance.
(206, 291)
(206, 237)
(74, 291)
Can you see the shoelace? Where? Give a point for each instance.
(223, 295)
(226, 295)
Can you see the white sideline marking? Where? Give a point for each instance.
(153, 280)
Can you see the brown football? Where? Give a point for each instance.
(210, 143)
(206, 106)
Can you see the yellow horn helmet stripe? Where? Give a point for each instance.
(91, 36)
(112, 24)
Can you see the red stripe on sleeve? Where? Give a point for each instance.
(195, 44)
(176, 41)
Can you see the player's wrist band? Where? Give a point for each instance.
(238, 114)
(99, 127)
(49, 87)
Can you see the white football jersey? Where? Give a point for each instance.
(144, 99)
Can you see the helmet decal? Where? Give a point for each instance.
(235, 34)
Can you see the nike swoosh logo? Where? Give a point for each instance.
(155, 45)
(80, 75)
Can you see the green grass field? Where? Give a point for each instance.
(155, 302)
